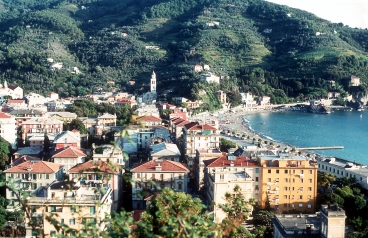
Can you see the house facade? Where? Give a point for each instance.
(226, 172)
(31, 177)
(69, 157)
(164, 173)
(288, 182)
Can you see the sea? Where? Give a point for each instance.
(302, 129)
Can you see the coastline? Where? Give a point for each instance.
(236, 122)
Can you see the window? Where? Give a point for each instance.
(47, 176)
(309, 197)
(300, 197)
(302, 171)
(268, 179)
(286, 171)
(292, 205)
(309, 206)
(286, 180)
(179, 186)
(138, 175)
(256, 187)
(62, 221)
(293, 180)
(293, 188)
(92, 210)
(180, 176)
(310, 180)
(277, 171)
(52, 209)
(256, 179)
(72, 209)
(285, 188)
(300, 205)
(269, 171)
(302, 180)
(257, 170)
(292, 197)
(310, 171)
(285, 196)
(72, 221)
(309, 189)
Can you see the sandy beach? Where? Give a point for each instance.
(234, 122)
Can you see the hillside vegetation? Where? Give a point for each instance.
(260, 47)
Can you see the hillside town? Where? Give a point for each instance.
(70, 178)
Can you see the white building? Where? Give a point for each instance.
(199, 137)
(344, 168)
(164, 173)
(35, 99)
(226, 172)
(8, 129)
(148, 110)
(69, 157)
(210, 78)
(12, 92)
(109, 153)
(248, 100)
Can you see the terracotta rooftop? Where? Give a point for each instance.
(4, 115)
(15, 101)
(38, 167)
(95, 166)
(238, 162)
(195, 126)
(182, 123)
(69, 152)
(149, 119)
(167, 166)
(24, 158)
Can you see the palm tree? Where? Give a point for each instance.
(325, 180)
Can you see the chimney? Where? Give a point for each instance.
(158, 167)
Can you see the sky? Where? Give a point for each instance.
(353, 13)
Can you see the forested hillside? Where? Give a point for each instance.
(257, 46)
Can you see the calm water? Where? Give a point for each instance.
(301, 129)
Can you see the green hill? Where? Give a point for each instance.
(261, 47)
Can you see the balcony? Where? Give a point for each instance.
(29, 180)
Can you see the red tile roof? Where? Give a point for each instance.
(149, 119)
(69, 152)
(92, 166)
(15, 101)
(182, 123)
(24, 158)
(38, 167)
(195, 126)
(224, 162)
(4, 115)
(167, 166)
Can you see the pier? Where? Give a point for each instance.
(322, 148)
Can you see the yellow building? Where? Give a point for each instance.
(69, 204)
(289, 181)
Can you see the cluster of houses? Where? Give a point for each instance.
(179, 154)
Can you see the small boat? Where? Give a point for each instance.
(361, 115)
(263, 123)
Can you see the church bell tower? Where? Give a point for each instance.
(153, 82)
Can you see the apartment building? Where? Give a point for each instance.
(198, 167)
(289, 182)
(109, 153)
(42, 125)
(68, 203)
(223, 174)
(31, 176)
(147, 176)
(199, 137)
(67, 138)
(101, 173)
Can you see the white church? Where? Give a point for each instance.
(13, 92)
(150, 97)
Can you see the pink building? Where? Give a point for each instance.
(41, 125)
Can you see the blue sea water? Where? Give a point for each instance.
(301, 129)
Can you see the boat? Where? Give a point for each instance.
(361, 115)
(263, 123)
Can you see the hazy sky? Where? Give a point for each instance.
(350, 12)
